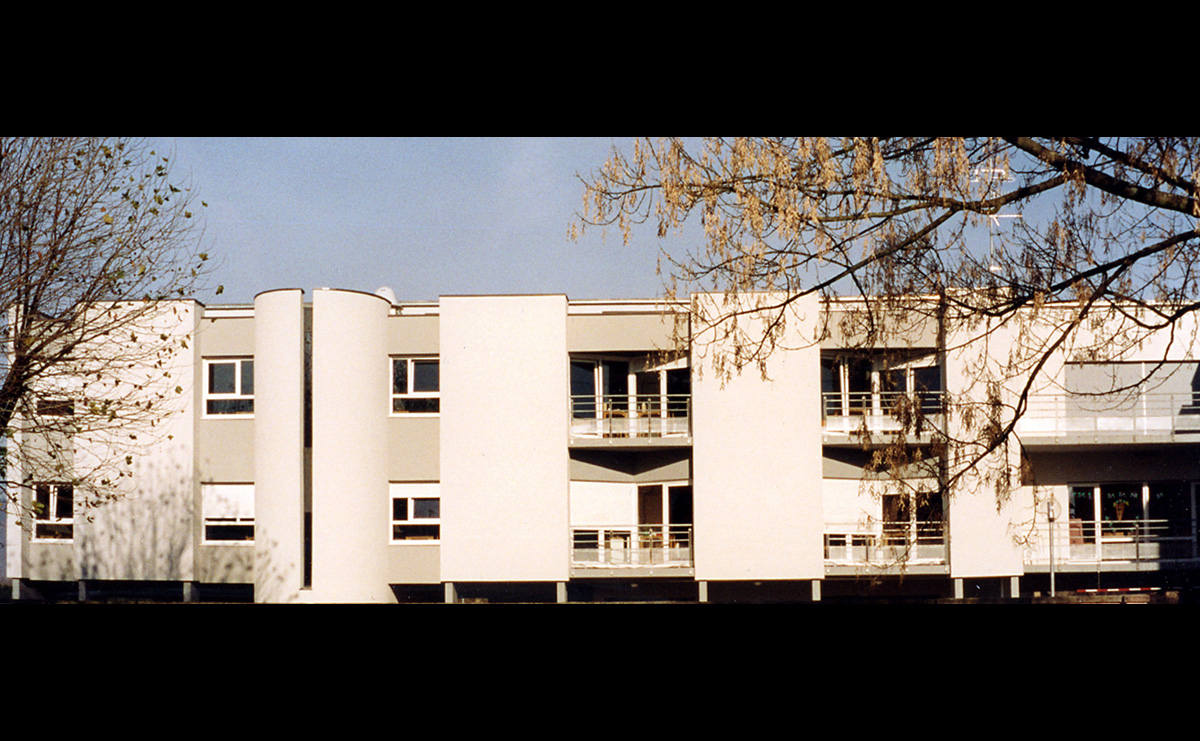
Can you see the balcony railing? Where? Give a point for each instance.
(1138, 541)
(847, 412)
(1162, 414)
(885, 543)
(630, 415)
(631, 546)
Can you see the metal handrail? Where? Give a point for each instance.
(1139, 540)
(630, 415)
(886, 542)
(631, 545)
(1151, 412)
(860, 403)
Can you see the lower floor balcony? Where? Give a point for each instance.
(642, 550)
(911, 547)
(1085, 545)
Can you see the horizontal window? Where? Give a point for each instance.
(229, 386)
(416, 512)
(228, 513)
(416, 386)
(53, 511)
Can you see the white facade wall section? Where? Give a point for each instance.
(757, 462)
(504, 432)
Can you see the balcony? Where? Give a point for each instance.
(629, 419)
(633, 550)
(913, 547)
(1107, 545)
(845, 414)
(1123, 418)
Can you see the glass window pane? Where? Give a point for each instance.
(425, 376)
(247, 377)
(417, 405)
(399, 376)
(65, 504)
(426, 509)
(221, 378)
(230, 406)
(400, 508)
(416, 532)
(42, 497)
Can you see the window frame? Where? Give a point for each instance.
(410, 493)
(51, 518)
(229, 501)
(410, 362)
(238, 393)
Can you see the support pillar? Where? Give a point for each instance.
(816, 590)
(82, 590)
(561, 592)
(189, 593)
(1014, 587)
(958, 589)
(703, 591)
(451, 594)
(16, 590)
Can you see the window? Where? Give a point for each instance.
(228, 513)
(53, 511)
(229, 387)
(415, 386)
(416, 512)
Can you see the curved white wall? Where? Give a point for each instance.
(351, 517)
(279, 429)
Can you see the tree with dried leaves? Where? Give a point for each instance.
(1011, 251)
(99, 241)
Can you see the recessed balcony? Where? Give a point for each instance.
(631, 550)
(630, 419)
(1100, 545)
(846, 415)
(915, 547)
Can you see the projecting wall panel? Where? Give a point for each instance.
(757, 463)
(504, 463)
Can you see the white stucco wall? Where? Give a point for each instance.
(757, 464)
(504, 425)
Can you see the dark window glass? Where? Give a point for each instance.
(230, 406)
(399, 377)
(229, 532)
(426, 509)
(65, 506)
(416, 532)
(221, 378)
(400, 508)
(425, 376)
(417, 405)
(55, 407)
(247, 378)
(42, 497)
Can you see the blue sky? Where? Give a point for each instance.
(426, 217)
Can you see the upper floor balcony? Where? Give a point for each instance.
(644, 419)
(913, 546)
(846, 415)
(1063, 419)
(631, 400)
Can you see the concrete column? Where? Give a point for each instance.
(189, 591)
(703, 591)
(451, 594)
(561, 592)
(816, 590)
(958, 589)
(16, 590)
(1014, 587)
(82, 591)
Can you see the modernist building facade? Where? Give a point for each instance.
(345, 447)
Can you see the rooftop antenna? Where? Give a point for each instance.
(990, 174)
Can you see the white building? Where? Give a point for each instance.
(346, 448)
